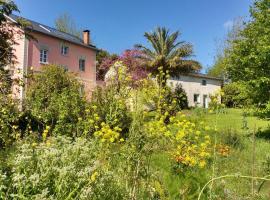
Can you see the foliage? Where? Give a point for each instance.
(215, 102)
(8, 121)
(180, 97)
(265, 111)
(248, 58)
(100, 57)
(110, 109)
(236, 94)
(219, 69)
(58, 169)
(131, 59)
(54, 99)
(168, 53)
(66, 23)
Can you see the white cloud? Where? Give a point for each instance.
(228, 24)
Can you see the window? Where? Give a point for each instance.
(82, 65)
(204, 82)
(43, 56)
(64, 50)
(196, 98)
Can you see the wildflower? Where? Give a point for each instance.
(94, 177)
(202, 164)
(122, 140)
(34, 144)
(198, 132)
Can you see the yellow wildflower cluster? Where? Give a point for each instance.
(108, 135)
(190, 143)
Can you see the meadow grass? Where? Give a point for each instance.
(239, 161)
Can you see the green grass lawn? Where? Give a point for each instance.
(239, 161)
(233, 119)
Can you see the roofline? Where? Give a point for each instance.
(80, 44)
(202, 76)
(27, 28)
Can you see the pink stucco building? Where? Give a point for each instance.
(51, 46)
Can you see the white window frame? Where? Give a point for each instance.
(64, 50)
(43, 56)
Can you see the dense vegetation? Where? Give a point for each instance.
(245, 60)
(134, 139)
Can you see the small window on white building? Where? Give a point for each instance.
(82, 64)
(43, 56)
(64, 50)
(204, 82)
(196, 98)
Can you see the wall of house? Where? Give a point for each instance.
(70, 61)
(18, 68)
(193, 85)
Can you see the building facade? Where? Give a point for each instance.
(198, 88)
(50, 46)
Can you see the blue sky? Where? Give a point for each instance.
(117, 25)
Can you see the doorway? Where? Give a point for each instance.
(205, 101)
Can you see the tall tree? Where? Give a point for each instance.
(223, 45)
(249, 56)
(167, 52)
(66, 23)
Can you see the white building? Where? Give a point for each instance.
(198, 88)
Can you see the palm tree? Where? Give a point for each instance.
(168, 53)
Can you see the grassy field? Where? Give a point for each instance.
(239, 161)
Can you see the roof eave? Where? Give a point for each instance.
(54, 36)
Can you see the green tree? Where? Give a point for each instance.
(168, 53)
(219, 67)
(248, 58)
(54, 98)
(66, 23)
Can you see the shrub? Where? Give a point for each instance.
(180, 96)
(264, 112)
(54, 99)
(111, 108)
(236, 94)
(58, 169)
(9, 115)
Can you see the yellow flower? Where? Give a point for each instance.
(93, 177)
(198, 132)
(202, 164)
(34, 144)
(122, 140)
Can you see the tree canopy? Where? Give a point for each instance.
(167, 52)
(66, 23)
(249, 56)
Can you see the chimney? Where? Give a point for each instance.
(86, 37)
